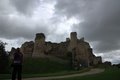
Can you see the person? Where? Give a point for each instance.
(17, 65)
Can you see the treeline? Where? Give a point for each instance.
(4, 59)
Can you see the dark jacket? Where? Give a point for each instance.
(18, 58)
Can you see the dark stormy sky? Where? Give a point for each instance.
(96, 20)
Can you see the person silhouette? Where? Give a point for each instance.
(17, 65)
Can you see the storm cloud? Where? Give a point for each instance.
(14, 28)
(25, 6)
(100, 21)
(96, 20)
(15, 22)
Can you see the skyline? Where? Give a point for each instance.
(98, 21)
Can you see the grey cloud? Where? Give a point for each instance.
(12, 29)
(14, 25)
(5, 7)
(111, 56)
(25, 6)
(101, 21)
(74, 8)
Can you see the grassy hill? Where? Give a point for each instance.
(36, 67)
(40, 66)
(108, 74)
(43, 65)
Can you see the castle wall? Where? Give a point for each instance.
(57, 49)
(97, 60)
(91, 56)
(39, 45)
(27, 49)
(82, 54)
(80, 49)
(73, 40)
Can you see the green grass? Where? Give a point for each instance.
(43, 65)
(108, 74)
(39, 67)
(47, 67)
(7, 76)
(55, 74)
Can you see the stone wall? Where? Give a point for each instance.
(79, 48)
(97, 60)
(57, 49)
(39, 45)
(27, 49)
(73, 40)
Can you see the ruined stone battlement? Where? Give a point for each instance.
(39, 36)
(80, 49)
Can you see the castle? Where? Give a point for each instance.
(80, 49)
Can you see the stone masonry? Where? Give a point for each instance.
(81, 51)
(39, 45)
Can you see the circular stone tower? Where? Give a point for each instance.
(39, 46)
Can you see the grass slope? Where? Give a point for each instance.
(48, 67)
(39, 66)
(43, 65)
(109, 74)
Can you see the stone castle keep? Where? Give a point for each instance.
(80, 50)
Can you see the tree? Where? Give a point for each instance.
(4, 59)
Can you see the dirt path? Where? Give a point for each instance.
(92, 71)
